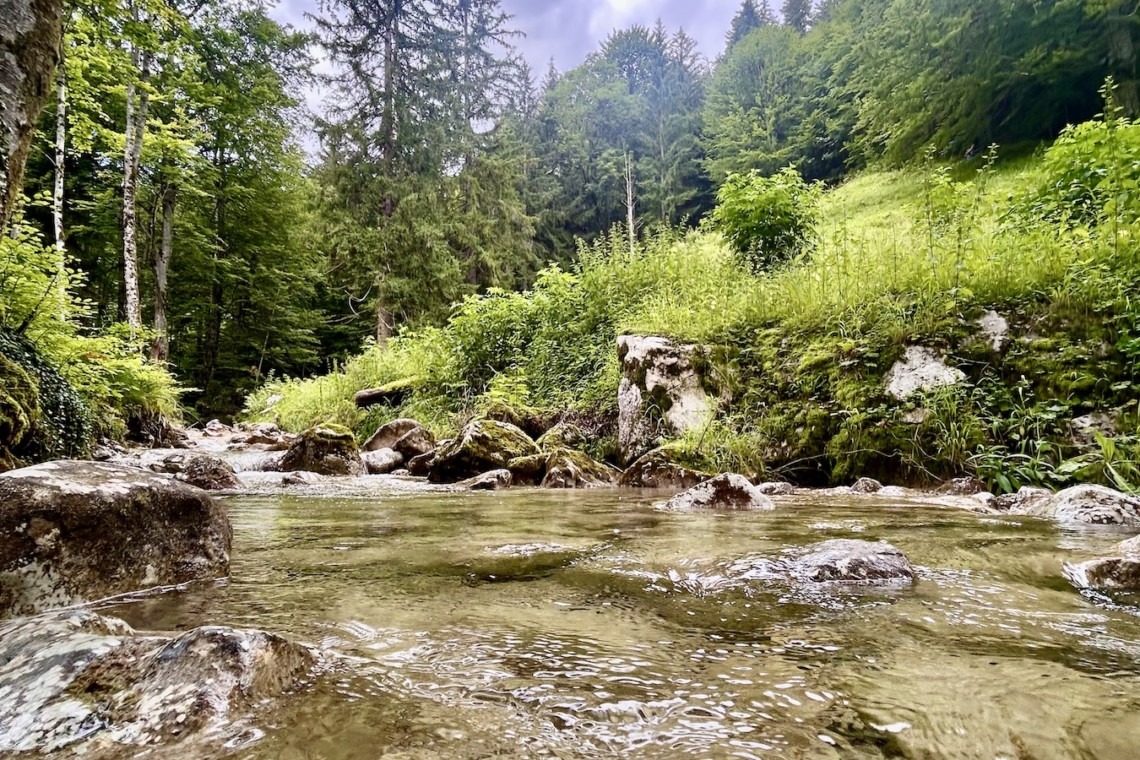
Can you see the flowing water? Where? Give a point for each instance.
(590, 624)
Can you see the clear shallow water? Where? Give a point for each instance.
(453, 635)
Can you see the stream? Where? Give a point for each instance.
(531, 623)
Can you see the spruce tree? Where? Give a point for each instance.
(797, 14)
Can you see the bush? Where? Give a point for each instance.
(767, 220)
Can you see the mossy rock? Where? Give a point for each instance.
(326, 450)
(19, 408)
(660, 468)
(484, 445)
(529, 470)
(566, 468)
(564, 435)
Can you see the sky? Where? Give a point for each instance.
(568, 30)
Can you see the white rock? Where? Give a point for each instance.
(996, 328)
(920, 370)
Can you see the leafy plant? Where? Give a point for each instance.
(767, 220)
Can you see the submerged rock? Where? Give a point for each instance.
(661, 394)
(658, 470)
(494, 480)
(776, 488)
(72, 532)
(920, 370)
(852, 562)
(1026, 498)
(388, 434)
(727, 492)
(75, 677)
(573, 469)
(1120, 572)
(1092, 505)
(326, 450)
(483, 445)
(302, 479)
(203, 471)
(382, 461)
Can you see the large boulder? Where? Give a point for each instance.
(76, 677)
(1091, 505)
(852, 562)
(866, 486)
(325, 450)
(564, 435)
(387, 434)
(483, 445)
(201, 471)
(921, 369)
(658, 469)
(414, 443)
(566, 468)
(661, 395)
(1022, 501)
(1120, 572)
(382, 461)
(73, 532)
(728, 492)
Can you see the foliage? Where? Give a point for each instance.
(767, 220)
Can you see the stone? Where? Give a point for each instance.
(1090, 505)
(325, 450)
(415, 443)
(728, 492)
(302, 479)
(776, 489)
(1120, 572)
(1084, 430)
(529, 470)
(851, 561)
(382, 461)
(566, 468)
(661, 395)
(657, 469)
(217, 429)
(963, 487)
(564, 435)
(866, 486)
(483, 445)
(489, 481)
(386, 435)
(75, 678)
(921, 369)
(204, 471)
(1021, 502)
(995, 328)
(73, 532)
(420, 466)
(263, 433)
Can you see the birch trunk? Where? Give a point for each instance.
(29, 50)
(630, 204)
(160, 351)
(137, 101)
(60, 158)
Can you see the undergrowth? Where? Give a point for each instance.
(901, 258)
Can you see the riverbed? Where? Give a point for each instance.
(533, 623)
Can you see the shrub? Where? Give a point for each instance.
(767, 220)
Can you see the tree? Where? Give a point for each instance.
(797, 14)
(747, 19)
(29, 45)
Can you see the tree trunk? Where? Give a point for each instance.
(383, 322)
(29, 50)
(60, 158)
(160, 351)
(137, 102)
(630, 204)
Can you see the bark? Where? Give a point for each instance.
(60, 158)
(160, 351)
(383, 322)
(630, 204)
(137, 102)
(391, 60)
(29, 51)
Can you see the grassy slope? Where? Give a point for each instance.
(904, 258)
